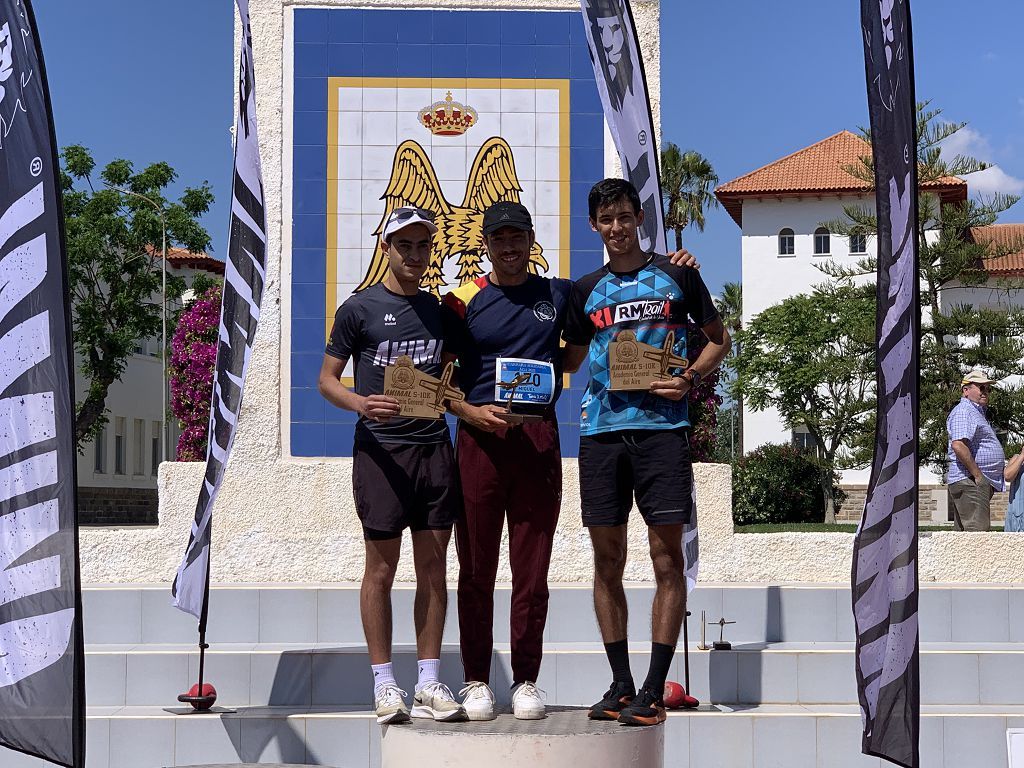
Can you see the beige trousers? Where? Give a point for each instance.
(971, 504)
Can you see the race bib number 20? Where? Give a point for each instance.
(527, 381)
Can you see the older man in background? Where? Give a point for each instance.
(976, 457)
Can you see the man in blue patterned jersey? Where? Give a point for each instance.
(637, 443)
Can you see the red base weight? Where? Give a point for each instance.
(673, 695)
(200, 700)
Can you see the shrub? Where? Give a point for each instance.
(704, 401)
(780, 484)
(193, 358)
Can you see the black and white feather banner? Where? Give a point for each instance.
(622, 83)
(885, 583)
(244, 277)
(42, 689)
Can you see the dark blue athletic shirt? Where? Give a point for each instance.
(484, 322)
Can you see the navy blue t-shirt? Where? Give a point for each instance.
(518, 326)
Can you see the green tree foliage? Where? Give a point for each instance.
(812, 358)
(780, 484)
(687, 184)
(114, 261)
(955, 337)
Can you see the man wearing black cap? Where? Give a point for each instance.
(505, 330)
(504, 326)
(403, 470)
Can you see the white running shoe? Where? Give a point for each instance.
(478, 701)
(435, 701)
(527, 703)
(390, 705)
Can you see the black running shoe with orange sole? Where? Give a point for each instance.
(646, 709)
(617, 698)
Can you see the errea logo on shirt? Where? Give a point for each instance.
(390, 319)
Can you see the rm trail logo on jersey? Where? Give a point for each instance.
(630, 311)
(390, 319)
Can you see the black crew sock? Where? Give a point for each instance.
(618, 657)
(661, 660)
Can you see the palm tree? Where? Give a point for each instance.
(730, 307)
(688, 181)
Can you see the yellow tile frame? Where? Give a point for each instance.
(333, 86)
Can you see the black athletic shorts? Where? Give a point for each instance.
(652, 464)
(399, 486)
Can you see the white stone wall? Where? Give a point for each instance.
(307, 532)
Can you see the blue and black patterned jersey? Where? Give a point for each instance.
(651, 302)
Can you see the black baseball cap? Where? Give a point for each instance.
(507, 214)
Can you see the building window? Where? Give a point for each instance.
(155, 447)
(803, 441)
(859, 244)
(991, 338)
(139, 448)
(120, 447)
(822, 246)
(787, 242)
(100, 452)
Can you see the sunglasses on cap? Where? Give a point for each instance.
(404, 214)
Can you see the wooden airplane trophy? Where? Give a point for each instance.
(633, 365)
(420, 395)
(511, 387)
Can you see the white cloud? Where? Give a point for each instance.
(993, 180)
(971, 143)
(966, 141)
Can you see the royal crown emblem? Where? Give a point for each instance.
(448, 117)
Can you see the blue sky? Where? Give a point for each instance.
(745, 85)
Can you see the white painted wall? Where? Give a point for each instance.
(769, 278)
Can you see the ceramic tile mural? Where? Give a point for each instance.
(445, 109)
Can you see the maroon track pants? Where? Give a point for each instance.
(516, 472)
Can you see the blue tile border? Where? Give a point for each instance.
(348, 42)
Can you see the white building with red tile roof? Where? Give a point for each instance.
(781, 209)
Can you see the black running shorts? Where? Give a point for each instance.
(652, 465)
(399, 486)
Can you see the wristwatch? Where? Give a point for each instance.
(694, 376)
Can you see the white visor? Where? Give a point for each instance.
(401, 218)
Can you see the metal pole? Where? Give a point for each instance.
(163, 340)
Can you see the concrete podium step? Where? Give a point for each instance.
(573, 674)
(292, 661)
(330, 614)
(767, 736)
(564, 737)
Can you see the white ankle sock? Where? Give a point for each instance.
(383, 674)
(428, 673)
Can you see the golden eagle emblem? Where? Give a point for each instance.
(459, 236)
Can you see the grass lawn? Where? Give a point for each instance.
(822, 528)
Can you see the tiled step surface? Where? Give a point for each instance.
(573, 674)
(330, 614)
(752, 737)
